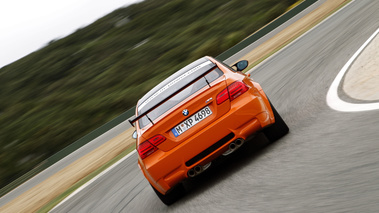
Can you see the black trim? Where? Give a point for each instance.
(149, 109)
(210, 149)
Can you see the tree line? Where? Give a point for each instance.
(71, 86)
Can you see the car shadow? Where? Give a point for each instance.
(226, 166)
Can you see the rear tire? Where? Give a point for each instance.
(276, 130)
(172, 196)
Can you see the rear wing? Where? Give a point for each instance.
(167, 91)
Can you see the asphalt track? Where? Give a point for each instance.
(327, 163)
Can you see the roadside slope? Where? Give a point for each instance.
(41, 194)
(293, 31)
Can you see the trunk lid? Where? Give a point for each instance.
(191, 115)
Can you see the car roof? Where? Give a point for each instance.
(177, 81)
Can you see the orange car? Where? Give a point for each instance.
(199, 113)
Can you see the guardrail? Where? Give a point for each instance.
(267, 29)
(129, 113)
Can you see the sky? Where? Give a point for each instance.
(28, 25)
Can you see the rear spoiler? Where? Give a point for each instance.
(197, 75)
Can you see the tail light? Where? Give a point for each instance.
(234, 90)
(145, 149)
(150, 146)
(222, 96)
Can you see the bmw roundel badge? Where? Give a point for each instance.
(185, 112)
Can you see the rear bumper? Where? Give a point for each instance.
(249, 114)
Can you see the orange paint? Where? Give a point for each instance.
(246, 114)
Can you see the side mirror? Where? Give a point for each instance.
(241, 65)
(134, 136)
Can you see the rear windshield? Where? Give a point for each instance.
(193, 88)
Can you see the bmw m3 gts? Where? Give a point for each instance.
(201, 112)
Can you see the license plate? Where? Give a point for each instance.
(191, 121)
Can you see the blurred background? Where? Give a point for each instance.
(61, 92)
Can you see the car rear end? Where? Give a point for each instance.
(198, 123)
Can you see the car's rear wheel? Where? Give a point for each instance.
(276, 130)
(173, 195)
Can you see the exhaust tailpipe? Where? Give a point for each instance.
(191, 173)
(198, 170)
(239, 142)
(233, 146)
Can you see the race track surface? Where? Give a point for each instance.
(327, 163)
